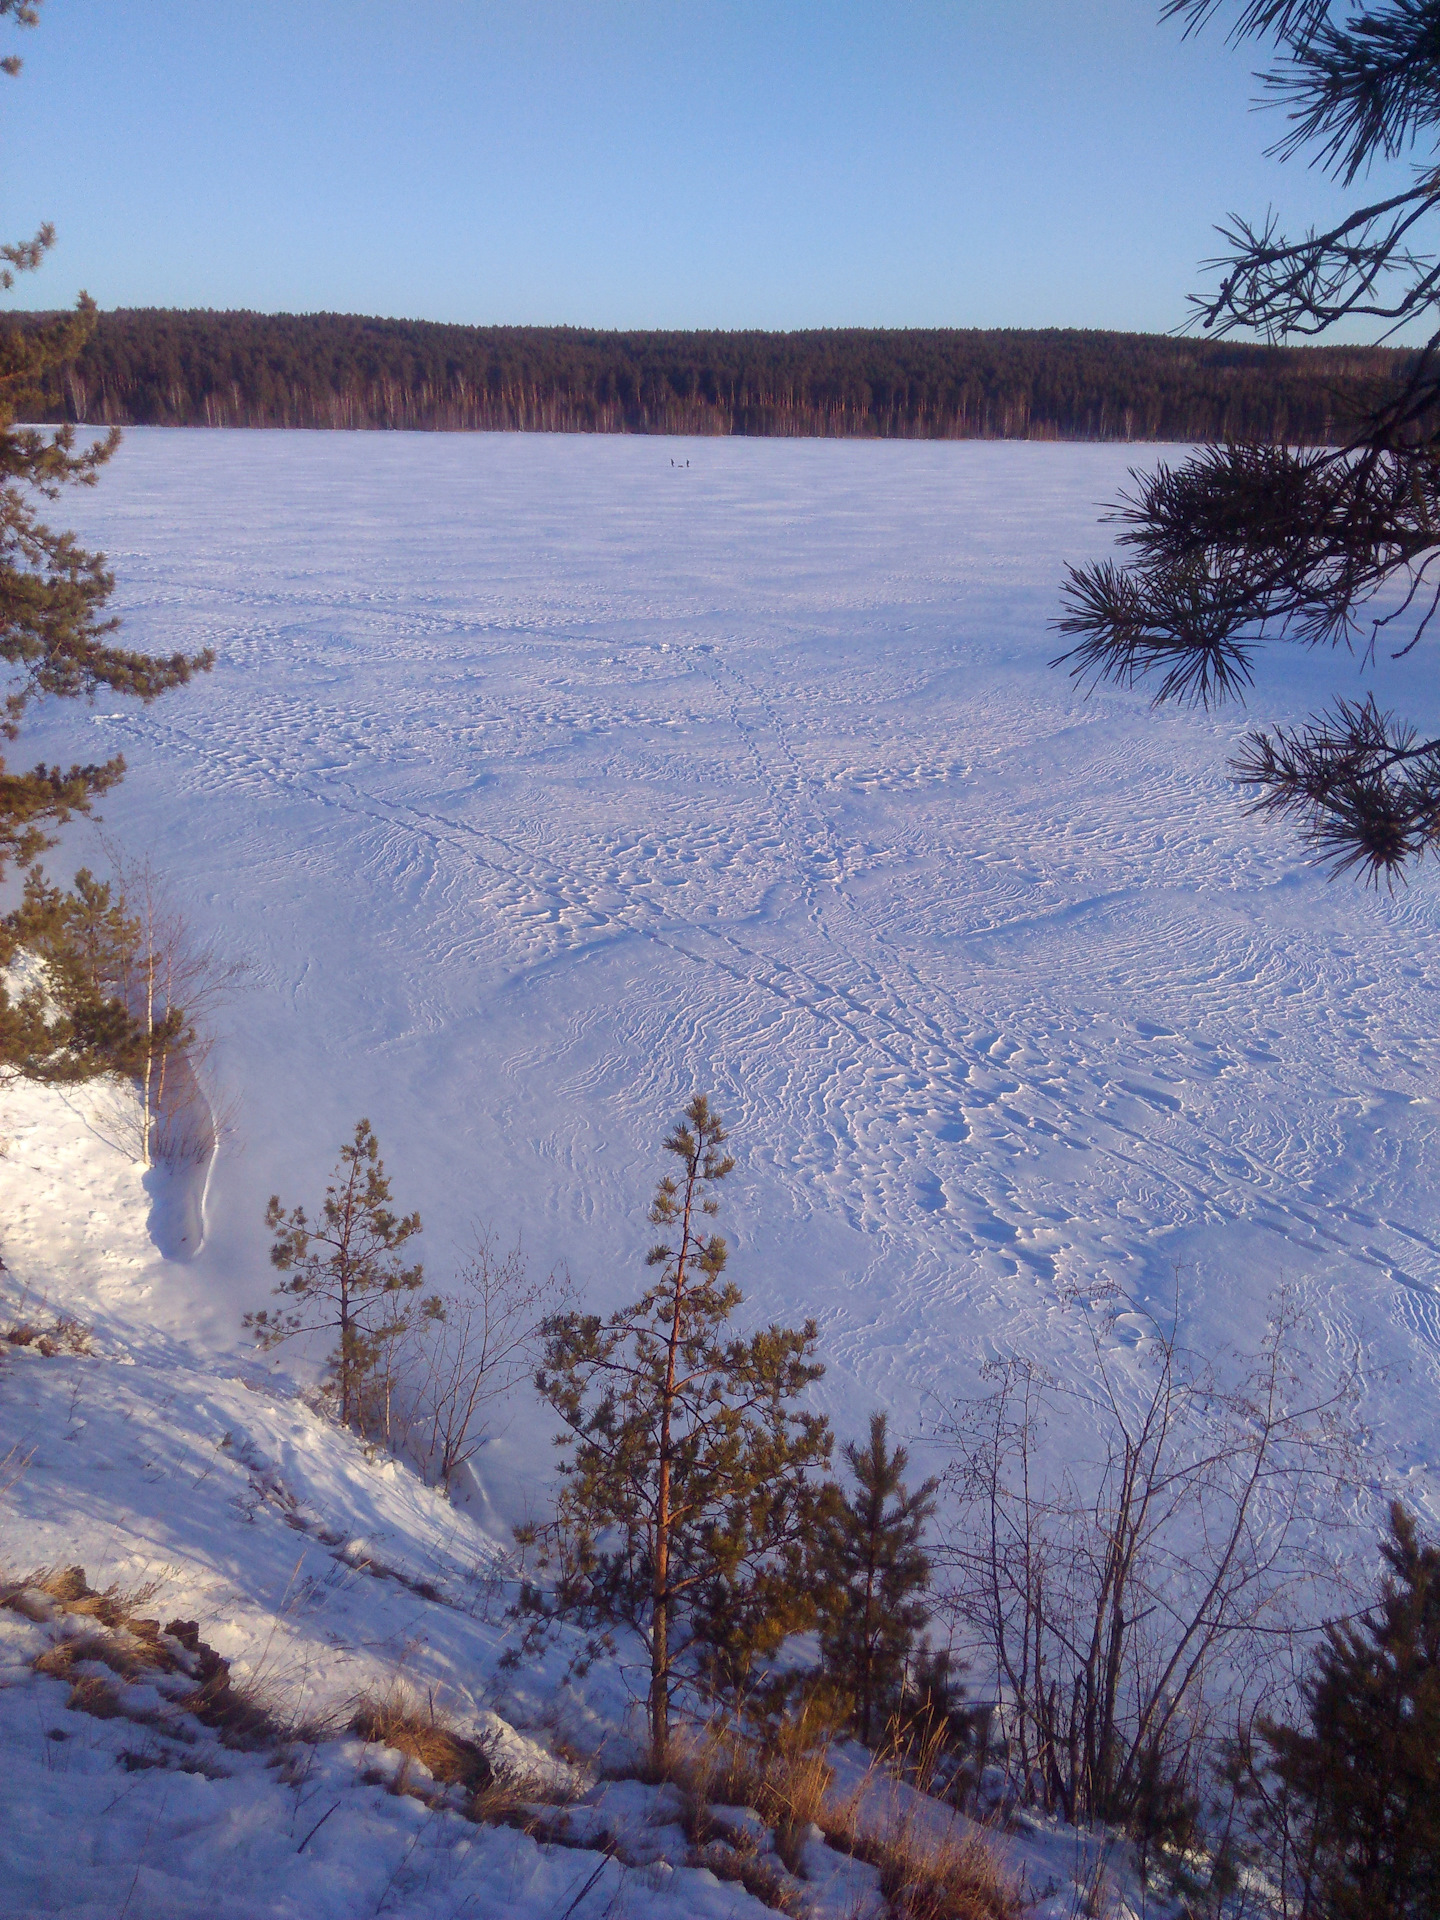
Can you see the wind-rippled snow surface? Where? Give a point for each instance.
(546, 781)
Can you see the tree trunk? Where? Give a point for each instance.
(660, 1687)
(146, 1120)
(660, 1623)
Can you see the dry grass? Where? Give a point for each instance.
(785, 1778)
(937, 1876)
(135, 1643)
(449, 1758)
(99, 1698)
(453, 1760)
(114, 1606)
(760, 1876)
(927, 1872)
(65, 1334)
(104, 1649)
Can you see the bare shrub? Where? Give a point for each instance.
(1123, 1599)
(472, 1353)
(172, 971)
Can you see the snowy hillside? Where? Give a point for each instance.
(206, 1588)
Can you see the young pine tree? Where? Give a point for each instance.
(687, 1469)
(346, 1274)
(84, 1021)
(871, 1572)
(1355, 1795)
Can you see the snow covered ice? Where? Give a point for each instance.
(542, 784)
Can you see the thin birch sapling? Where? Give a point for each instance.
(686, 1463)
(172, 981)
(473, 1348)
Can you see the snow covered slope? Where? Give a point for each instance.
(544, 781)
(322, 1576)
(206, 1593)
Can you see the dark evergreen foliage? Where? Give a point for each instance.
(150, 367)
(52, 595)
(1250, 543)
(871, 1572)
(1350, 1802)
(686, 1500)
(346, 1274)
(79, 1023)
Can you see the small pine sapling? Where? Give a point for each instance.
(80, 1023)
(1349, 1805)
(871, 1571)
(686, 1469)
(346, 1275)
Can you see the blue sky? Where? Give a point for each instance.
(637, 163)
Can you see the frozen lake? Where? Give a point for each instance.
(545, 781)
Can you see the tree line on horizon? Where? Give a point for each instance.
(154, 367)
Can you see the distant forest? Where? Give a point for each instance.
(153, 367)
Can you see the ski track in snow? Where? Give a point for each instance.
(544, 784)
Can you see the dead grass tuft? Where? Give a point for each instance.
(761, 1878)
(115, 1607)
(135, 1643)
(449, 1758)
(65, 1334)
(61, 1660)
(784, 1777)
(938, 1872)
(90, 1694)
(514, 1803)
(926, 1873)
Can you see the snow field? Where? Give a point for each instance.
(543, 783)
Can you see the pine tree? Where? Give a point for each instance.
(53, 637)
(80, 1023)
(347, 1277)
(686, 1471)
(1241, 546)
(1357, 1791)
(872, 1570)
